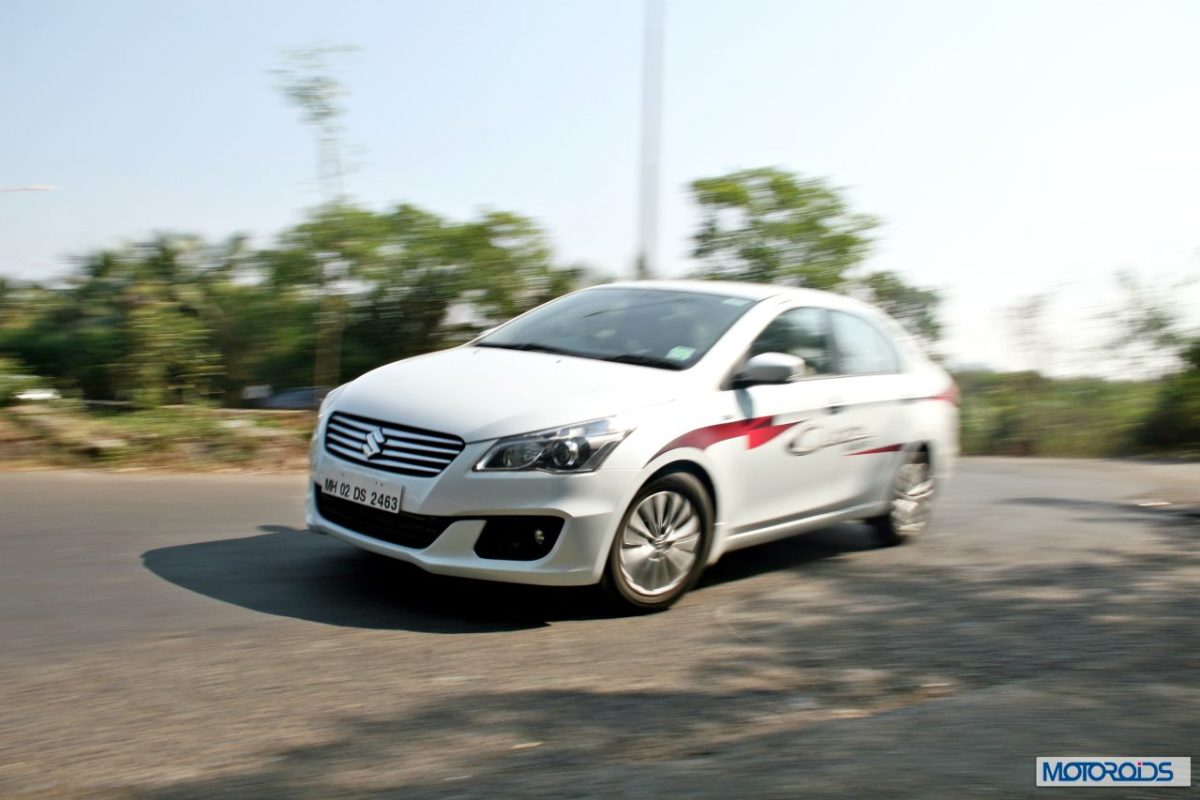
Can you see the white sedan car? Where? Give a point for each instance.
(632, 434)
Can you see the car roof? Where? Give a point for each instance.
(749, 291)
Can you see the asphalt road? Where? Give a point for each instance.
(183, 636)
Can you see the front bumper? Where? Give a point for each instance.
(590, 505)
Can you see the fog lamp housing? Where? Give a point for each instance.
(518, 538)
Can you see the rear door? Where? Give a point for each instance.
(869, 429)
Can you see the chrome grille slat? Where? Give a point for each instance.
(349, 423)
(344, 452)
(350, 430)
(415, 468)
(437, 455)
(400, 454)
(416, 437)
(408, 451)
(341, 438)
(434, 448)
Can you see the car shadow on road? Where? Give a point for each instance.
(841, 693)
(291, 572)
(792, 553)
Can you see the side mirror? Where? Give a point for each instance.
(770, 368)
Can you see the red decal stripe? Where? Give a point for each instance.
(758, 431)
(887, 448)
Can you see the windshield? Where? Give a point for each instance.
(650, 327)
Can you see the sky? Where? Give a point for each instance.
(1010, 148)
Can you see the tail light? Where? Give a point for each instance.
(950, 394)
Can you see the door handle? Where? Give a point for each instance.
(835, 406)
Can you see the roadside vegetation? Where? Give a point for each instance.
(1026, 414)
(159, 348)
(68, 434)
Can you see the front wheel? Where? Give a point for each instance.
(662, 544)
(911, 501)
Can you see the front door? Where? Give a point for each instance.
(784, 468)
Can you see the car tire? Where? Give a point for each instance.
(662, 544)
(910, 501)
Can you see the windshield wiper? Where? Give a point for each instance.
(643, 361)
(624, 358)
(532, 347)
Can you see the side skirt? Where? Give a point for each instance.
(781, 529)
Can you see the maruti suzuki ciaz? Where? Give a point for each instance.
(631, 434)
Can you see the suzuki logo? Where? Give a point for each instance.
(373, 446)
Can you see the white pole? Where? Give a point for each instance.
(652, 71)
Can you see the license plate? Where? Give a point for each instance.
(363, 491)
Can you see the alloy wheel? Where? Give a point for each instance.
(660, 543)
(912, 499)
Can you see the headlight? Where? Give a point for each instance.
(574, 448)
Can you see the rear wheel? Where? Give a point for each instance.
(662, 543)
(911, 501)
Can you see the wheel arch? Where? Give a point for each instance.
(618, 585)
(940, 455)
(924, 445)
(697, 471)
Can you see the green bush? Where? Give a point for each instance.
(1027, 414)
(1174, 422)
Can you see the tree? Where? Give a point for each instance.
(410, 269)
(308, 81)
(770, 225)
(913, 307)
(488, 269)
(509, 264)
(171, 358)
(179, 319)
(134, 323)
(1147, 324)
(1174, 423)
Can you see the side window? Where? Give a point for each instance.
(801, 332)
(861, 347)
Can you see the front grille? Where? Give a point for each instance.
(408, 530)
(392, 448)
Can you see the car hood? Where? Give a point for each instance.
(484, 393)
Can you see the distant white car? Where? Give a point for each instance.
(38, 395)
(631, 434)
